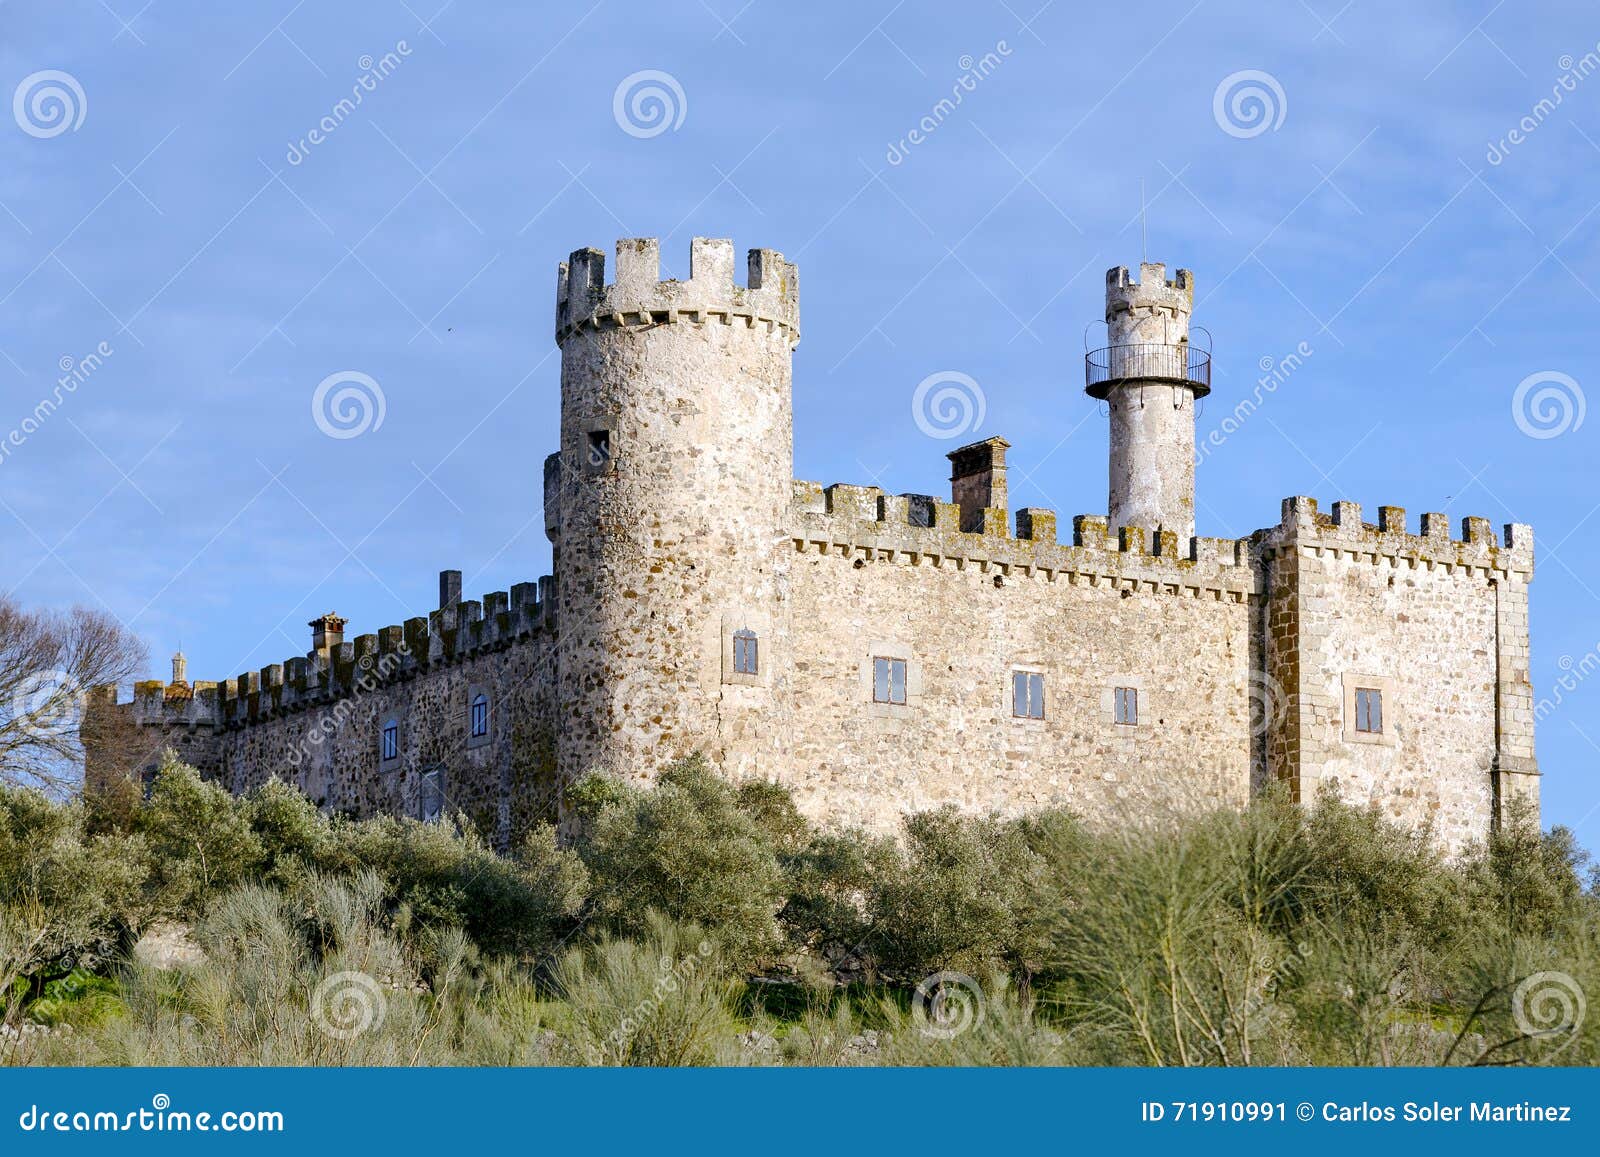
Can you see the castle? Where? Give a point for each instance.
(882, 653)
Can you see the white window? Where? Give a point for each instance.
(1369, 710)
(1373, 710)
(478, 716)
(1027, 694)
(389, 744)
(746, 652)
(889, 681)
(430, 802)
(745, 659)
(1125, 706)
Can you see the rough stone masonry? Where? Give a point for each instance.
(882, 653)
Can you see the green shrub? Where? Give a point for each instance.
(1528, 882)
(1155, 958)
(296, 838)
(1367, 870)
(1359, 995)
(200, 840)
(67, 900)
(689, 849)
(1276, 934)
(772, 807)
(444, 875)
(984, 1024)
(313, 980)
(80, 999)
(830, 882)
(955, 898)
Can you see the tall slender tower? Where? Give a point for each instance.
(667, 506)
(1149, 377)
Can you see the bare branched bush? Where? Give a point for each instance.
(49, 662)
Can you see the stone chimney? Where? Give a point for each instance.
(327, 632)
(449, 588)
(978, 485)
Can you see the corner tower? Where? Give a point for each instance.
(1149, 377)
(668, 506)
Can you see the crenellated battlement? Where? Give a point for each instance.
(638, 296)
(1130, 302)
(865, 524)
(448, 635)
(864, 521)
(166, 705)
(1477, 551)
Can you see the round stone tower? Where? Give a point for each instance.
(1149, 377)
(667, 507)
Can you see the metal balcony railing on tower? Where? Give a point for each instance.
(1179, 364)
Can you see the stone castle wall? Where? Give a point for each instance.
(332, 752)
(1439, 625)
(668, 539)
(316, 721)
(676, 527)
(966, 611)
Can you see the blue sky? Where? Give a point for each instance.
(1379, 213)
